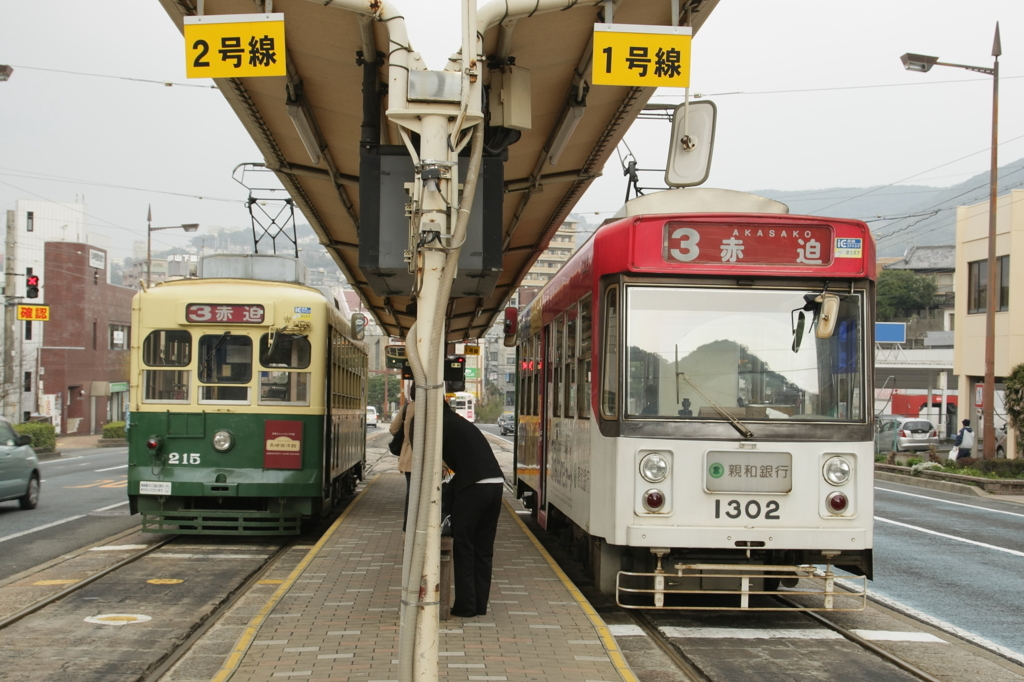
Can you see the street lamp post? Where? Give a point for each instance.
(923, 63)
(188, 227)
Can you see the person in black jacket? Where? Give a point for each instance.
(476, 505)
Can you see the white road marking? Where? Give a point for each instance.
(57, 523)
(38, 528)
(940, 624)
(627, 630)
(794, 633)
(951, 537)
(740, 633)
(958, 504)
(119, 504)
(895, 636)
(122, 466)
(170, 555)
(61, 460)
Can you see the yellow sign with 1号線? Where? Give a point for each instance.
(235, 46)
(644, 56)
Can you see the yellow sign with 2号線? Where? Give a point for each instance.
(235, 46)
(644, 56)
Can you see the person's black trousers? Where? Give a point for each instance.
(475, 512)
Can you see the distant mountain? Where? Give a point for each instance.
(901, 216)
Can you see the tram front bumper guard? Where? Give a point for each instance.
(206, 522)
(649, 590)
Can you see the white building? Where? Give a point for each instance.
(29, 226)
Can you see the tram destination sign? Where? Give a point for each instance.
(732, 244)
(222, 313)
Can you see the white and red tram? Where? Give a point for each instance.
(694, 392)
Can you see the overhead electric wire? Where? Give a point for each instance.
(940, 207)
(701, 95)
(31, 175)
(121, 78)
(88, 215)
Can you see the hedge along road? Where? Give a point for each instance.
(83, 500)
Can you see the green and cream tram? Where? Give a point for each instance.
(248, 401)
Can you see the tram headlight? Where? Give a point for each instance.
(222, 441)
(837, 470)
(654, 467)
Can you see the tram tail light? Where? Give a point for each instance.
(837, 502)
(654, 500)
(153, 443)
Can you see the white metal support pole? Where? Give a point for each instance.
(430, 334)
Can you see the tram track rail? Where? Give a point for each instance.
(863, 643)
(674, 654)
(171, 659)
(70, 589)
(694, 673)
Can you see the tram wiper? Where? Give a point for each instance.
(736, 423)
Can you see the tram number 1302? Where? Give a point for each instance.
(752, 509)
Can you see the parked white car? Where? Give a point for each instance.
(371, 416)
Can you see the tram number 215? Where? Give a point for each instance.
(752, 509)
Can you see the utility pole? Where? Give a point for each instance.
(10, 316)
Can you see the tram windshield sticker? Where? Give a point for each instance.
(219, 313)
(686, 242)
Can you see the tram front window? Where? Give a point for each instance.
(224, 361)
(693, 353)
(166, 348)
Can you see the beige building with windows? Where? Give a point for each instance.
(971, 306)
(562, 245)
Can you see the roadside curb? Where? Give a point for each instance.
(47, 456)
(944, 486)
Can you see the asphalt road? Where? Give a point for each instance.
(952, 557)
(82, 501)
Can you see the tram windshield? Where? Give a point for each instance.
(694, 353)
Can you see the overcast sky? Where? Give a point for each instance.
(810, 95)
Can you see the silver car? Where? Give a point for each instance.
(19, 467)
(507, 423)
(901, 434)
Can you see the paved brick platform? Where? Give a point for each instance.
(336, 617)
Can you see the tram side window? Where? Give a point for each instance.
(166, 348)
(583, 362)
(569, 377)
(291, 388)
(610, 373)
(224, 361)
(557, 333)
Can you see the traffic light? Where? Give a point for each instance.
(455, 373)
(32, 286)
